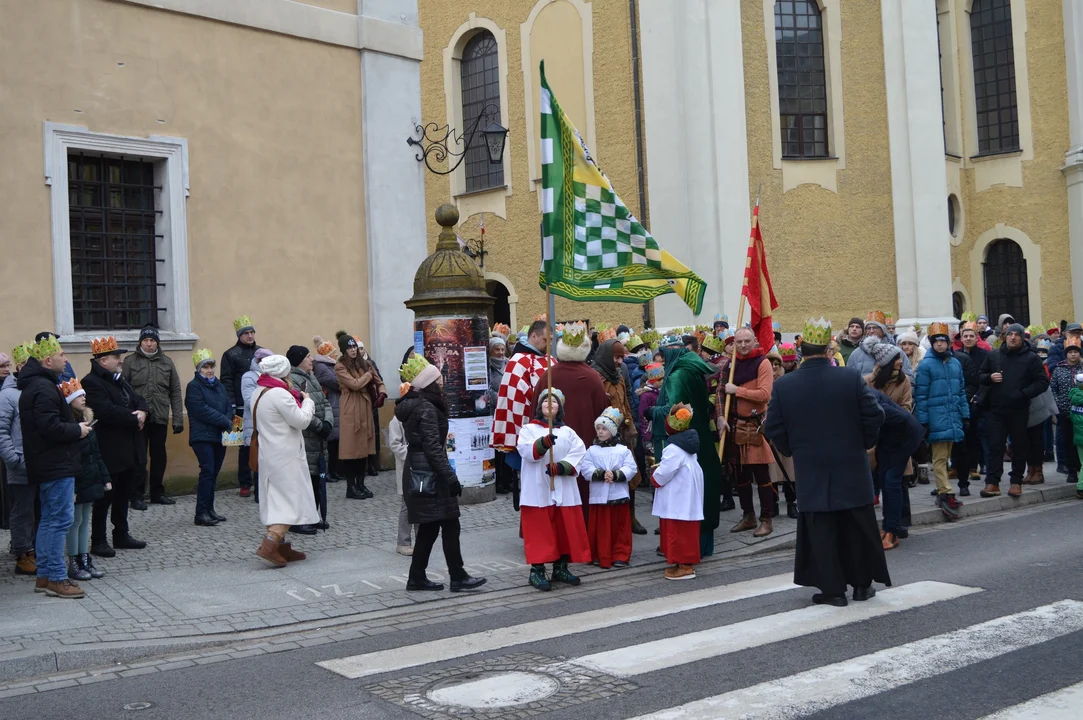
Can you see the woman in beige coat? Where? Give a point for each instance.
(361, 389)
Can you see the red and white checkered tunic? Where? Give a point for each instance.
(516, 396)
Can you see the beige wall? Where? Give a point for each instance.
(513, 242)
(275, 215)
(346, 6)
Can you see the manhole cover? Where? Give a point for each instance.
(486, 690)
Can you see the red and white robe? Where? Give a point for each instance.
(678, 503)
(552, 520)
(609, 526)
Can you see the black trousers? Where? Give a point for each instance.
(116, 500)
(332, 458)
(1001, 427)
(1036, 445)
(768, 495)
(154, 435)
(962, 462)
(426, 538)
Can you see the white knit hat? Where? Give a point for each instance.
(908, 337)
(611, 418)
(277, 366)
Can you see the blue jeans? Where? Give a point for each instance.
(57, 514)
(891, 494)
(209, 455)
(79, 534)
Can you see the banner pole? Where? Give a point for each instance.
(549, 303)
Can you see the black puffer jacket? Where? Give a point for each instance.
(50, 433)
(1024, 379)
(235, 363)
(90, 483)
(972, 375)
(425, 427)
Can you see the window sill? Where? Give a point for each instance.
(475, 193)
(79, 342)
(802, 158)
(998, 154)
(952, 156)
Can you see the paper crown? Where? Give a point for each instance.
(605, 333)
(670, 341)
(876, 316)
(1053, 329)
(502, 330)
(969, 316)
(1035, 330)
(543, 317)
(969, 326)
(104, 345)
(1044, 344)
(716, 345)
(727, 336)
(413, 367)
(679, 418)
(635, 343)
(1073, 342)
(787, 352)
(551, 391)
(888, 320)
(700, 336)
(21, 353)
(613, 415)
(776, 326)
(71, 387)
(242, 323)
(651, 337)
(656, 372)
(817, 332)
(939, 329)
(722, 318)
(575, 334)
(201, 356)
(45, 348)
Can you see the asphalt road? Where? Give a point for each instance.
(1020, 561)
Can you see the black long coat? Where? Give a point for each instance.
(425, 427)
(826, 418)
(113, 402)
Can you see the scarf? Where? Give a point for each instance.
(748, 367)
(605, 364)
(611, 442)
(271, 382)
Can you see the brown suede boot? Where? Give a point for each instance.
(268, 552)
(748, 522)
(289, 554)
(1036, 476)
(990, 490)
(40, 584)
(26, 564)
(64, 589)
(1015, 490)
(765, 528)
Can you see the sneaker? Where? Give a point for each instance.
(681, 572)
(538, 579)
(26, 564)
(561, 573)
(64, 589)
(246, 492)
(949, 505)
(404, 550)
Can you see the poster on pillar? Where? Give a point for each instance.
(459, 347)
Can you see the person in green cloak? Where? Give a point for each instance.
(686, 382)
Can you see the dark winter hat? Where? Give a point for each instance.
(149, 331)
(1016, 328)
(345, 341)
(856, 321)
(296, 354)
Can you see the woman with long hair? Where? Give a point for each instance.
(361, 388)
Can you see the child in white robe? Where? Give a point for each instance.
(678, 500)
(609, 466)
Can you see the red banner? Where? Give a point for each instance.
(757, 288)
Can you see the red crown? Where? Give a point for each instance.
(103, 345)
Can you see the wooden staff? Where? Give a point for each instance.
(549, 373)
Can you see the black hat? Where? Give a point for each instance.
(345, 341)
(296, 354)
(149, 331)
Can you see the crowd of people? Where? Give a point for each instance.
(699, 418)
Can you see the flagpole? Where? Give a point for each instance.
(740, 321)
(549, 373)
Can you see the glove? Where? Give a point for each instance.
(178, 429)
(380, 399)
(325, 430)
(455, 488)
(560, 468)
(543, 444)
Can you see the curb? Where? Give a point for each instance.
(977, 506)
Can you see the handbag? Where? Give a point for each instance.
(422, 483)
(253, 448)
(1042, 408)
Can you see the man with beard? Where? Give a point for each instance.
(861, 359)
(827, 419)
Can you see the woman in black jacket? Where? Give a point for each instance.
(428, 481)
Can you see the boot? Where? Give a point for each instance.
(727, 504)
(538, 579)
(373, 468)
(637, 528)
(87, 563)
(791, 510)
(353, 492)
(561, 573)
(64, 589)
(26, 564)
(990, 490)
(365, 492)
(748, 522)
(766, 528)
(288, 554)
(268, 552)
(1036, 476)
(75, 571)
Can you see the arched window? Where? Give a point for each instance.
(481, 94)
(994, 76)
(1006, 289)
(957, 305)
(802, 78)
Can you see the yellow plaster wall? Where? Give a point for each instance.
(514, 244)
(346, 6)
(830, 254)
(1040, 207)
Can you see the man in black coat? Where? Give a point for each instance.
(120, 413)
(235, 363)
(1014, 375)
(827, 418)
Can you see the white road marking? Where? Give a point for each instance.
(832, 685)
(724, 639)
(358, 666)
(496, 691)
(1064, 704)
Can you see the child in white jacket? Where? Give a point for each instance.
(610, 467)
(678, 500)
(396, 439)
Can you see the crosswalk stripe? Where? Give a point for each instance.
(832, 685)
(358, 666)
(724, 639)
(1064, 704)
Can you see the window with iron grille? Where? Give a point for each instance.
(1006, 288)
(112, 215)
(802, 78)
(994, 76)
(481, 90)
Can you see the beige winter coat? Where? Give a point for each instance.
(357, 431)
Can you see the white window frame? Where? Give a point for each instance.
(171, 173)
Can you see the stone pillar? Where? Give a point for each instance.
(394, 186)
(697, 146)
(919, 191)
(1073, 160)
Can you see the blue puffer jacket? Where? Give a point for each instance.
(940, 398)
(210, 410)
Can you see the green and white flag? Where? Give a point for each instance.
(593, 248)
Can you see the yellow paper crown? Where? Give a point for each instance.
(575, 334)
(717, 345)
(969, 316)
(45, 348)
(634, 342)
(201, 355)
(817, 332)
(413, 367)
(939, 328)
(21, 353)
(1035, 330)
(103, 345)
(969, 326)
(242, 322)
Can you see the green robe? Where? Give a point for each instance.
(686, 382)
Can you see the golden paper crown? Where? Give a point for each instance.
(502, 330)
(201, 355)
(70, 387)
(717, 345)
(103, 345)
(242, 322)
(575, 334)
(413, 367)
(876, 316)
(634, 342)
(939, 328)
(45, 348)
(605, 333)
(21, 353)
(1072, 341)
(817, 332)
(969, 326)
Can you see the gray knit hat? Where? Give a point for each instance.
(885, 353)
